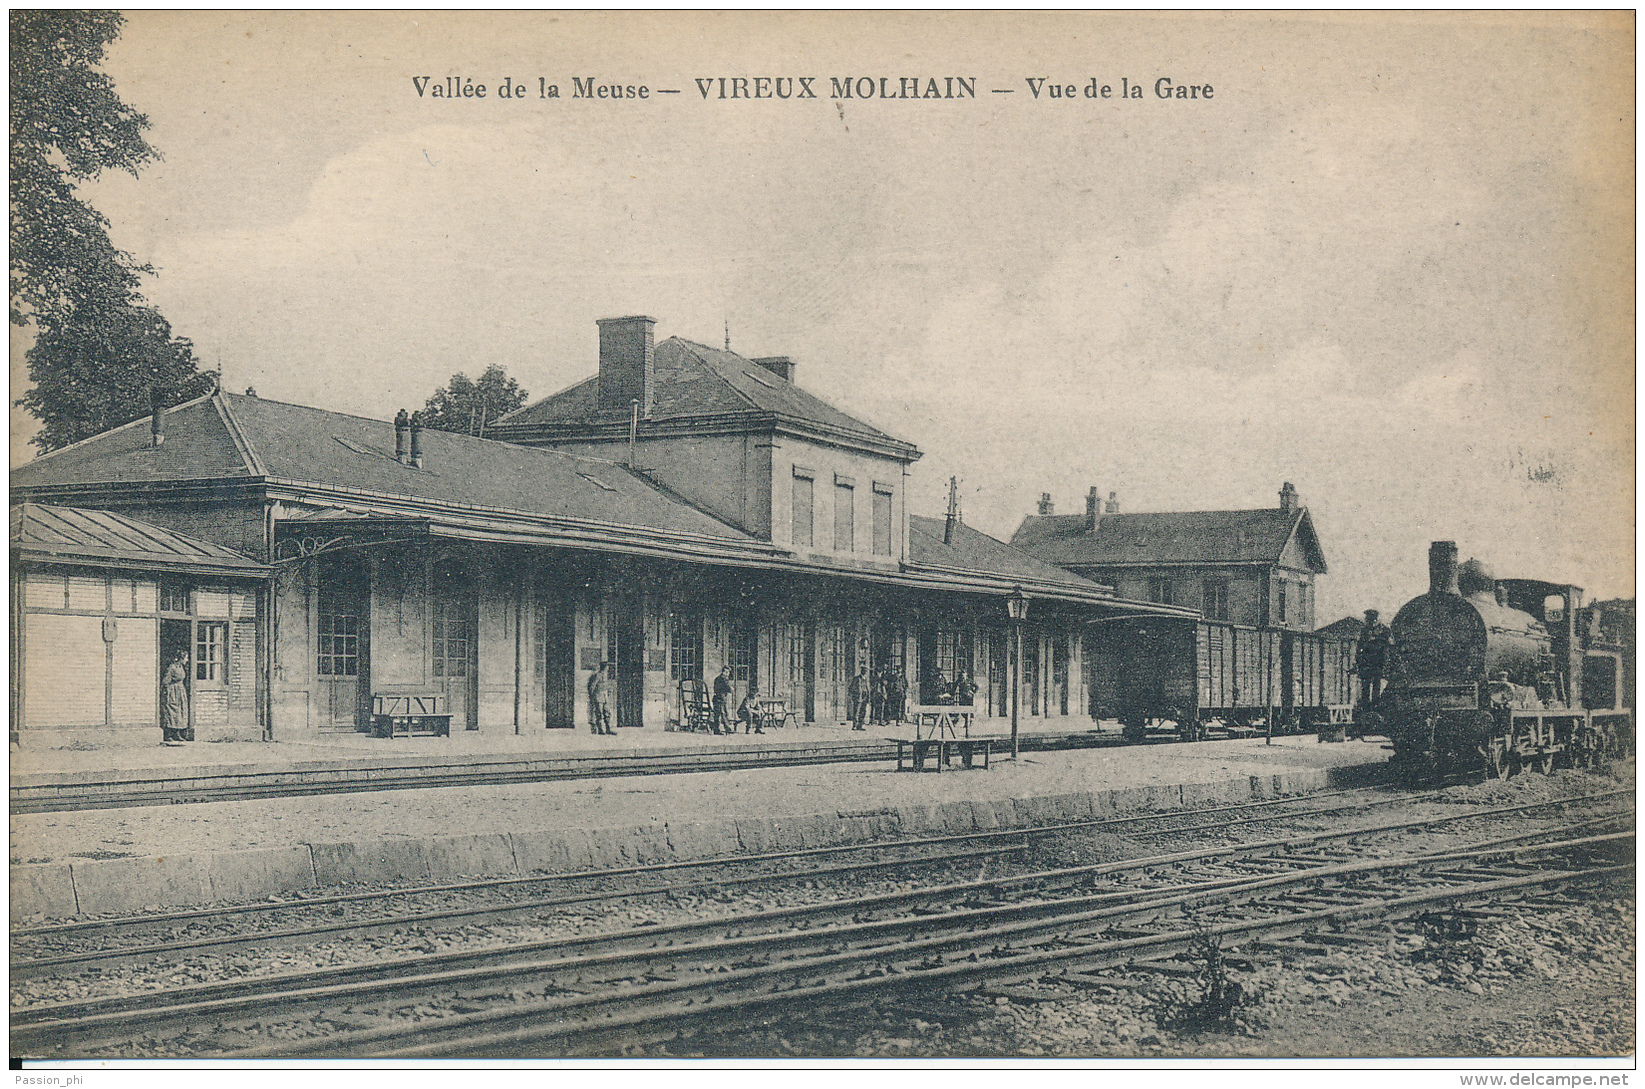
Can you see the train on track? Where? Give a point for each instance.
(1204, 678)
(1498, 675)
(1486, 676)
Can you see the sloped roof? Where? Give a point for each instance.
(693, 381)
(1348, 627)
(41, 531)
(973, 550)
(1211, 536)
(226, 437)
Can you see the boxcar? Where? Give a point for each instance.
(1199, 676)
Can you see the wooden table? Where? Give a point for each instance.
(940, 720)
(773, 713)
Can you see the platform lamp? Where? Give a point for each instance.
(1016, 607)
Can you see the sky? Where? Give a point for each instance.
(1388, 259)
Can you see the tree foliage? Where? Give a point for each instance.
(99, 347)
(471, 407)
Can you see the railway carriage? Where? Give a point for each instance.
(1201, 676)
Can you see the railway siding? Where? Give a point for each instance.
(980, 802)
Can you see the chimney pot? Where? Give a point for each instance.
(157, 416)
(402, 429)
(1113, 503)
(1093, 509)
(416, 440)
(1046, 506)
(1288, 498)
(1442, 567)
(780, 365)
(627, 363)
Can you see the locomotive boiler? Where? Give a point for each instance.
(1488, 676)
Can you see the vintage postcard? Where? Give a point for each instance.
(805, 535)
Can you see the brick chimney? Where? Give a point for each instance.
(402, 438)
(1046, 506)
(780, 365)
(1093, 509)
(627, 363)
(1113, 503)
(1288, 498)
(415, 426)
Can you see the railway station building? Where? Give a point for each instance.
(685, 510)
(1251, 567)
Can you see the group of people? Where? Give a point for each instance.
(877, 698)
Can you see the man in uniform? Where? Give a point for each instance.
(599, 704)
(1371, 658)
(722, 703)
(857, 694)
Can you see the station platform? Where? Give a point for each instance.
(97, 861)
(104, 775)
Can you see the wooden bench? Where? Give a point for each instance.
(410, 714)
(912, 753)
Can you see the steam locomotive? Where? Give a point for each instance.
(1498, 675)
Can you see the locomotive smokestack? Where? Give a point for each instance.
(1442, 567)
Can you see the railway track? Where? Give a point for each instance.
(595, 993)
(42, 950)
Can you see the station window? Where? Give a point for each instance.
(1215, 602)
(174, 597)
(685, 647)
(796, 654)
(451, 638)
(742, 653)
(836, 653)
(208, 651)
(339, 638)
(1161, 592)
(1282, 604)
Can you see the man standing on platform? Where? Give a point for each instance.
(599, 704)
(722, 702)
(895, 695)
(857, 693)
(1371, 657)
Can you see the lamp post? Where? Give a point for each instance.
(1016, 607)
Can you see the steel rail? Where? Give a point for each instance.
(451, 966)
(639, 1006)
(831, 936)
(25, 968)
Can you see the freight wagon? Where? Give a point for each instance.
(1201, 678)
